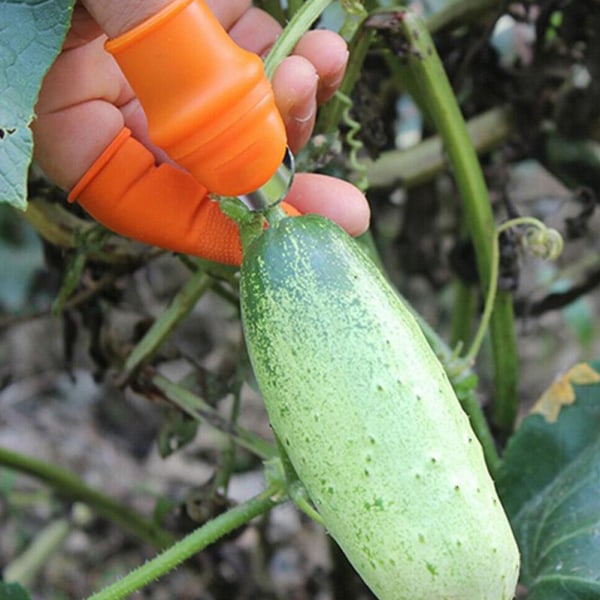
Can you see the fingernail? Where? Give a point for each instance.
(306, 107)
(334, 80)
(339, 72)
(303, 113)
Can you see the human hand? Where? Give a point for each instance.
(85, 102)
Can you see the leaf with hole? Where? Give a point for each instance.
(31, 34)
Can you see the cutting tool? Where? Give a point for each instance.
(211, 108)
(208, 103)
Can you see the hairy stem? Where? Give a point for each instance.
(190, 545)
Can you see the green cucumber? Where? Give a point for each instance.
(370, 421)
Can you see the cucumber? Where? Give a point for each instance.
(370, 421)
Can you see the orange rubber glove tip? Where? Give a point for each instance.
(208, 102)
(159, 205)
(290, 211)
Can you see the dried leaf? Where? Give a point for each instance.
(561, 392)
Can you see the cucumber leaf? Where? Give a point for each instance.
(31, 35)
(549, 482)
(13, 591)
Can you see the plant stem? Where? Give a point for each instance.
(548, 244)
(66, 484)
(196, 408)
(61, 228)
(420, 163)
(458, 12)
(466, 303)
(25, 568)
(180, 307)
(480, 426)
(299, 24)
(437, 95)
(228, 455)
(190, 545)
(331, 113)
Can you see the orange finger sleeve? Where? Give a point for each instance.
(208, 102)
(159, 205)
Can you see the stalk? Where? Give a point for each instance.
(422, 162)
(25, 568)
(190, 545)
(437, 95)
(306, 14)
(195, 407)
(180, 307)
(68, 485)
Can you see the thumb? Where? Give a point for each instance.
(118, 16)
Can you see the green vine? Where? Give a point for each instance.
(181, 305)
(306, 13)
(436, 95)
(541, 241)
(190, 545)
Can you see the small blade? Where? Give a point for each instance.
(276, 189)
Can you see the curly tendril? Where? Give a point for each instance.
(360, 169)
(545, 243)
(541, 241)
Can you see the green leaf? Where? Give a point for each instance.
(549, 482)
(31, 35)
(13, 591)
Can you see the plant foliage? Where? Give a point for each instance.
(26, 53)
(550, 484)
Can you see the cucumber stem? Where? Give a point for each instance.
(190, 545)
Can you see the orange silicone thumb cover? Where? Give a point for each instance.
(159, 205)
(208, 102)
